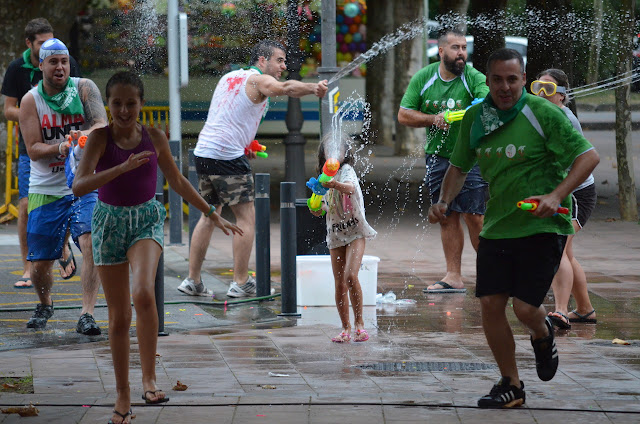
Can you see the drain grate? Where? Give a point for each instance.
(427, 366)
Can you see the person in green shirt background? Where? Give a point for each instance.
(523, 145)
(450, 84)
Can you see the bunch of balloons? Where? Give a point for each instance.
(229, 9)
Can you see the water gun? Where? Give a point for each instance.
(73, 158)
(532, 204)
(258, 148)
(456, 115)
(329, 170)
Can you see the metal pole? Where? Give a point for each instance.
(329, 67)
(159, 282)
(288, 248)
(294, 141)
(263, 236)
(175, 131)
(194, 213)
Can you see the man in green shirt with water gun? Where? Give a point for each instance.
(523, 145)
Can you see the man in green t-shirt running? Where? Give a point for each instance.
(523, 146)
(450, 84)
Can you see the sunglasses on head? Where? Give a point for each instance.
(549, 88)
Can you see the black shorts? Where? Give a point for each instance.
(522, 267)
(583, 203)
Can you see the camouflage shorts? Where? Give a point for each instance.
(226, 189)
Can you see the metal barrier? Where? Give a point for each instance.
(11, 180)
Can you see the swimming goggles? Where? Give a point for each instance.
(549, 88)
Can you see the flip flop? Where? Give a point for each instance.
(559, 322)
(65, 263)
(124, 416)
(154, 402)
(25, 286)
(446, 288)
(342, 338)
(361, 336)
(583, 318)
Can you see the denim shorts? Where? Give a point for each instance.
(472, 197)
(24, 172)
(49, 219)
(117, 228)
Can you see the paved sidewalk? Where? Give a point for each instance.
(423, 363)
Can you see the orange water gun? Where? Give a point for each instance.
(329, 170)
(532, 204)
(258, 148)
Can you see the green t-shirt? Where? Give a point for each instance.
(527, 156)
(429, 93)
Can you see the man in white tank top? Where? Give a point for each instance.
(58, 106)
(239, 103)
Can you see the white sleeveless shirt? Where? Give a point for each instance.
(47, 174)
(233, 119)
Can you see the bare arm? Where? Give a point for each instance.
(32, 133)
(181, 185)
(416, 119)
(11, 111)
(344, 188)
(580, 170)
(262, 86)
(94, 111)
(451, 185)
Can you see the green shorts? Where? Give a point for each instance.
(116, 228)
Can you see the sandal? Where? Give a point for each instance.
(23, 283)
(342, 338)
(124, 417)
(583, 318)
(154, 402)
(361, 336)
(64, 263)
(560, 320)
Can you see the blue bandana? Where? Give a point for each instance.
(51, 47)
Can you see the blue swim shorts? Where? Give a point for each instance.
(49, 219)
(117, 228)
(472, 197)
(24, 172)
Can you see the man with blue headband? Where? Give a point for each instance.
(57, 107)
(22, 75)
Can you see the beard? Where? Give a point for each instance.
(454, 66)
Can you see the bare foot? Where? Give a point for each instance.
(122, 408)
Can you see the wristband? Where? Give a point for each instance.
(212, 209)
(60, 148)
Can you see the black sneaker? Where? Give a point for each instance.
(87, 325)
(546, 354)
(503, 395)
(40, 316)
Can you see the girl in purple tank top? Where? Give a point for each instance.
(121, 161)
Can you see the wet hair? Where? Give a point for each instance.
(125, 78)
(503, 55)
(444, 35)
(265, 49)
(37, 26)
(345, 146)
(561, 79)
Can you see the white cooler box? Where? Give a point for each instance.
(315, 284)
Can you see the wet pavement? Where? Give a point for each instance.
(424, 362)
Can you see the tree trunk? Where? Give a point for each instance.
(596, 42)
(547, 27)
(406, 64)
(378, 84)
(488, 33)
(626, 183)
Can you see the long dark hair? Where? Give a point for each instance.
(345, 146)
